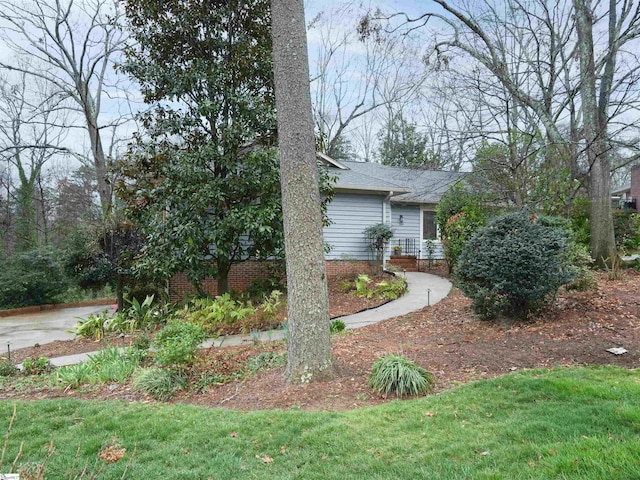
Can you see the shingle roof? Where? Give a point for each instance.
(412, 185)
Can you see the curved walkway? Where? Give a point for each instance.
(424, 290)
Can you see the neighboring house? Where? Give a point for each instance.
(627, 195)
(370, 193)
(366, 194)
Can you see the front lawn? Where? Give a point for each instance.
(561, 423)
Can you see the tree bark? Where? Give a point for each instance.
(603, 248)
(309, 337)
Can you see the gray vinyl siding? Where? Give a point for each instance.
(350, 215)
(410, 227)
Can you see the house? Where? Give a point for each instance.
(627, 195)
(365, 194)
(370, 193)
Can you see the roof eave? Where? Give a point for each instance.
(359, 188)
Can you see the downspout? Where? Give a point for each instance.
(384, 220)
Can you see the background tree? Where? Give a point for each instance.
(309, 338)
(528, 49)
(353, 80)
(71, 45)
(200, 180)
(401, 145)
(29, 138)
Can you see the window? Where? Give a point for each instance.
(429, 231)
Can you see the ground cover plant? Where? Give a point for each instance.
(571, 423)
(386, 288)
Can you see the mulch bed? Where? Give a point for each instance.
(447, 339)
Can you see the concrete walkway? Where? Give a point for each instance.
(424, 290)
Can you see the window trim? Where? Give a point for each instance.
(428, 208)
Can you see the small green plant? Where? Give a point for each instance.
(177, 343)
(207, 379)
(212, 314)
(75, 375)
(430, 251)
(94, 326)
(582, 263)
(159, 383)
(378, 237)
(7, 368)
(389, 289)
(143, 315)
(395, 374)
(266, 360)
(270, 306)
(337, 326)
(142, 343)
(36, 366)
(284, 326)
(108, 365)
(362, 288)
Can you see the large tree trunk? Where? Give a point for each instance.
(97, 152)
(603, 248)
(309, 338)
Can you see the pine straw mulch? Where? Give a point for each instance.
(446, 338)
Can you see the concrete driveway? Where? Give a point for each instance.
(42, 327)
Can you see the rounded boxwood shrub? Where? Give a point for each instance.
(513, 265)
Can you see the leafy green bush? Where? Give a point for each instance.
(159, 383)
(177, 343)
(582, 263)
(94, 326)
(626, 226)
(459, 214)
(459, 230)
(378, 237)
(7, 368)
(143, 315)
(395, 374)
(512, 266)
(212, 314)
(31, 278)
(579, 221)
(36, 366)
(337, 326)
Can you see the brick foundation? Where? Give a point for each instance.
(347, 268)
(240, 278)
(243, 273)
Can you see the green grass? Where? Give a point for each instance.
(563, 423)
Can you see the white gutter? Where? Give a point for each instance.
(384, 220)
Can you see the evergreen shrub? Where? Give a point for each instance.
(512, 266)
(31, 278)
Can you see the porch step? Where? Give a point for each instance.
(409, 264)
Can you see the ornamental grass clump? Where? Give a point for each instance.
(515, 264)
(159, 383)
(395, 374)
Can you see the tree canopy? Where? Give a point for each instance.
(200, 178)
(402, 145)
